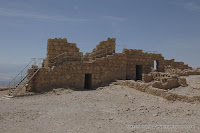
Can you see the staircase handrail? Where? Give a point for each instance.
(19, 73)
(33, 59)
(27, 81)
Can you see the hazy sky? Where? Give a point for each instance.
(171, 27)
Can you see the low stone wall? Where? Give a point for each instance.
(147, 88)
(176, 65)
(185, 72)
(164, 80)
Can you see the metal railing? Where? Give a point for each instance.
(25, 75)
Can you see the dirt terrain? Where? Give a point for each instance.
(111, 109)
(193, 88)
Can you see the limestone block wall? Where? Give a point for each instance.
(176, 65)
(68, 75)
(65, 66)
(162, 63)
(111, 68)
(160, 60)
(103, 49)
(57, 49)
(185, 72)
(137, 57)
(72, 74)
(87, 57)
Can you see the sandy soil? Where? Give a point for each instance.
(109, 110)
(193, 88)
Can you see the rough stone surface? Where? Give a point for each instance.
(164, 80)
(65, 66)
(182, 72)
(147, 78)
(182, 82)
(153, 89)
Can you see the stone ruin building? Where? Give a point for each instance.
(66, 67)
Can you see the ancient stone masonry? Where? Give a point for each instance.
(57, 49)
(65, 66)
(180, 72)
(164, 80)
(103, 49)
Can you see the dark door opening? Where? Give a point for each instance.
(157, 65)
(138, 72)
(88, 81)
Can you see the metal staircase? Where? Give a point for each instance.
(22, 79)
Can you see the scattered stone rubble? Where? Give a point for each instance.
(164, 80)
(147, 88)
(180, 72)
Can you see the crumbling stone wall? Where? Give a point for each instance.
(147, 87)
(137, 57)
(57, 49)
(176, 65)
(182, 72)
(72, 74)
(65, 66)
(103, 49)
(164, 80)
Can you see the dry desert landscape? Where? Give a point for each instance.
(107, 66)
(111, 109)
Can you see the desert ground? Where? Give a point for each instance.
(110, 109)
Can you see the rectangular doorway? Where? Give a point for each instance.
(138, 72)
(88, 81)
